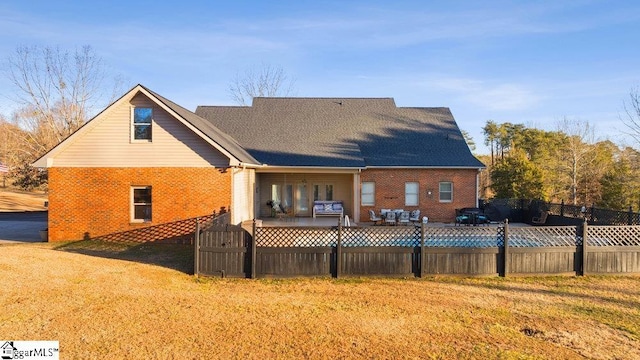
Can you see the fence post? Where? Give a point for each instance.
(505, 270)
(339, 249)
(196, 245)
(584, 248)
(253, 249)
(422, 257)
(630, 216)
(562, 208)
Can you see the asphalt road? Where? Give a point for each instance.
(22, 226)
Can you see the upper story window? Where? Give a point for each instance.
(141, 124)
(446, 191)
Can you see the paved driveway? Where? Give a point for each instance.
(22, 226)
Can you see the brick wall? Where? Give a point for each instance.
(389, 191)
(98, 200)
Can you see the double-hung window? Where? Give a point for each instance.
(368, 194)
(141, 203)
(142, 118)
(411, 193)
(446, 191)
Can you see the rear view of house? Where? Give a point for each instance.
(145, 160)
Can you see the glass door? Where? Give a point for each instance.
(322, 192)
(301, 200)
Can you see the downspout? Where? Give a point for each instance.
(478, 187)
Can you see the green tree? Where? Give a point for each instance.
(490, 131)
(517, 177)
(469, 140)
(621, 182)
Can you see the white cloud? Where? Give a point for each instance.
(489, 96)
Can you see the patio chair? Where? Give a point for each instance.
(404, 218)
(374, 218)
(390, 218)
(414, 217)
(281, 212)
(384, 212)
(540, 219)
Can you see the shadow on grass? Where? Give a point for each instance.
(173, 256)
(562, 286)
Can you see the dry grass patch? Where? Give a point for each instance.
(17, 200)
(99, 306)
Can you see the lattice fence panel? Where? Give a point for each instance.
(468, 237)
(296, 236)
(613, 235)
(550, 236)
(381, 236)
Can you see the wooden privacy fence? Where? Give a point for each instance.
(416, 251)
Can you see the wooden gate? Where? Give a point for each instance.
(222, 251)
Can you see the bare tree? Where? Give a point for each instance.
(631, 119)
(268, 80)
(576, 153)
(56, 91)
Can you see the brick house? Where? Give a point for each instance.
(145, 160)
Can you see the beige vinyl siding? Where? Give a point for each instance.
(242, 198)
(342, 188)
(108, 143)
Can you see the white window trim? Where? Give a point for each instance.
(373, 194)
(133, 125)
(416, 193)
(132, 209)
(440, 192)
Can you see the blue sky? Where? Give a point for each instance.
(529, 62)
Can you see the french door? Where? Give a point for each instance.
(301, 200)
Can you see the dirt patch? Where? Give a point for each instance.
(17, 200)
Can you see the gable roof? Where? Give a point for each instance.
(203, 128)
(213, 133)
(344, 132)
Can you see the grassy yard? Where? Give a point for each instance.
(137, 301)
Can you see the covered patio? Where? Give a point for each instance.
(294, 191)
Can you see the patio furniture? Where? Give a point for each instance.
(281, 212)
(327, 208)
(404, 218)
(390, 218)
(414, 216)
(541, 218)
(374, 218)
(383, 212)
(471, 216)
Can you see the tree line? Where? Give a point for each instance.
(563, 165)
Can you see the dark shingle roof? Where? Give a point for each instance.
(343, 132)
(223, 139)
